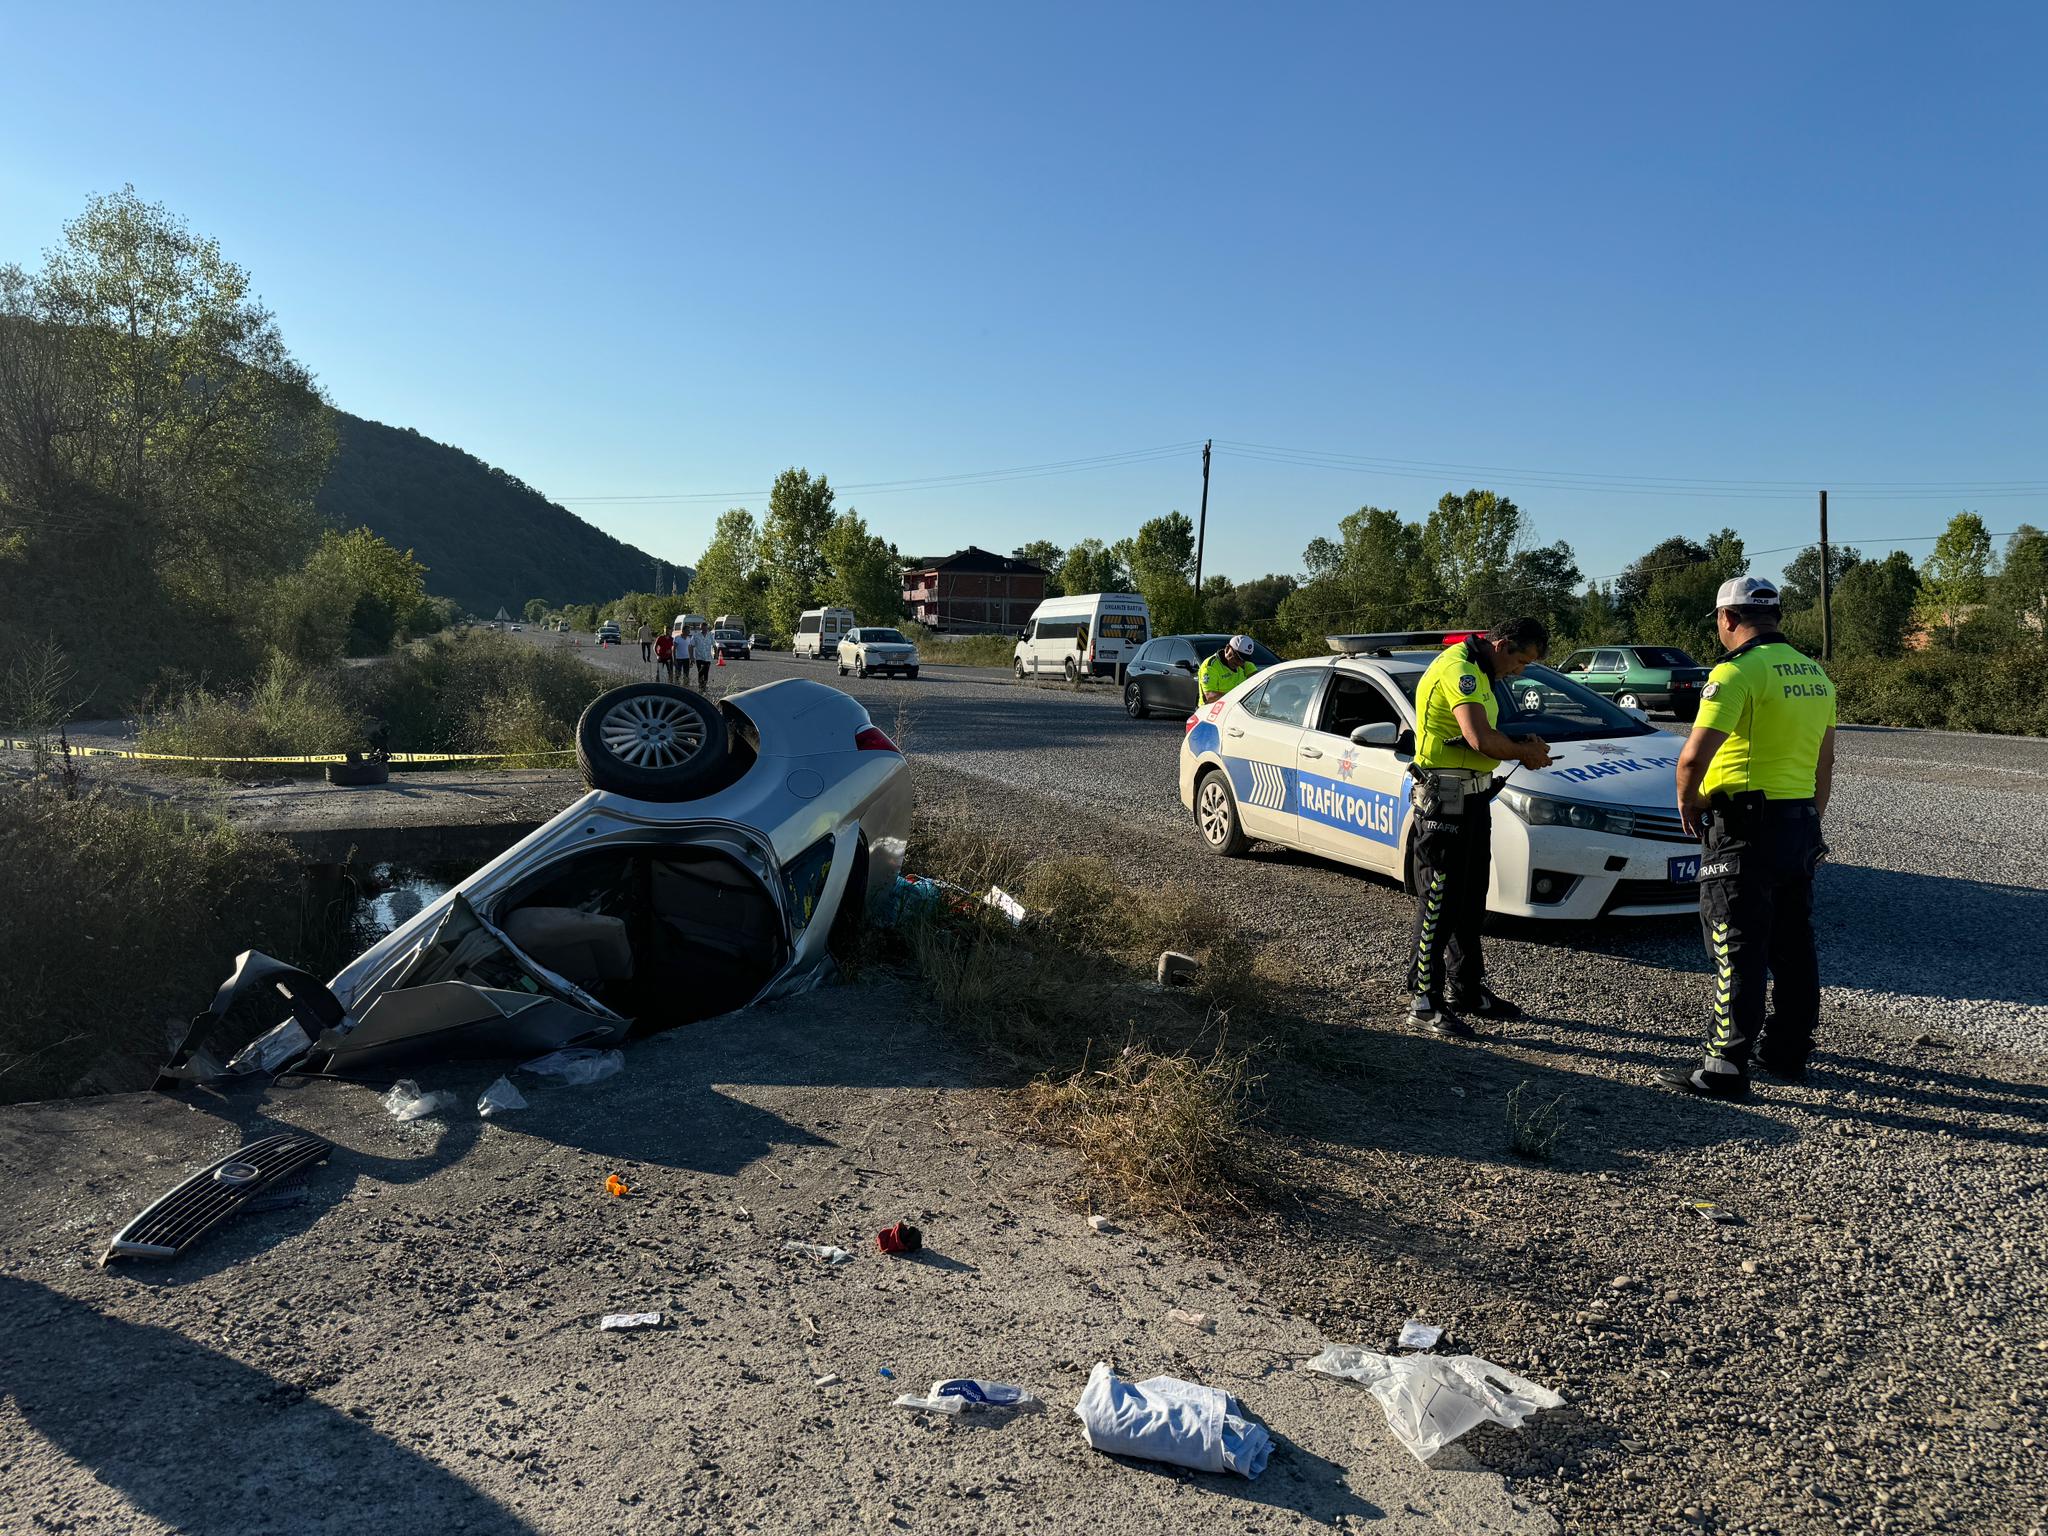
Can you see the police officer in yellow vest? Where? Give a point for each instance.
(1226, 669)
(1753, 783)
(1457, 747)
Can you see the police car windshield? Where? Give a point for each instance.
(885, 635)
(1540, 702)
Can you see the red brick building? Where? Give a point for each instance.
(974, 591)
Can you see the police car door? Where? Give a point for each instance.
(1261, 746)
(1350, 799)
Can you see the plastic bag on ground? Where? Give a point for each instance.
(577, 1066)
(406, 1102)
(829, 1252)
(499, 1097)
(965, 1394)
(1170, 1420)
(1430, 1400)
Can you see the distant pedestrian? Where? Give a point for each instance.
(665, 655)
(646, 643)
(700, 652)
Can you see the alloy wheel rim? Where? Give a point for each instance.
(1215, 813)
(652, 732)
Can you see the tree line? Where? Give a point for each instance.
(160, 449)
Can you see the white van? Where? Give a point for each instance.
(1091, 635)
(819, 631)
(687, 623)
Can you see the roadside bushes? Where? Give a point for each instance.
(1948, 690)
(289, 711)
(1143, 1083)
(468, 691)
(135, 914)
(962, 650)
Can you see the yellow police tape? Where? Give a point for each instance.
(16, 744)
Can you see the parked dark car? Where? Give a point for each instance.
(1644, 677)
(1161, 676)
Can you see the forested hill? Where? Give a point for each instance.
(486, 538)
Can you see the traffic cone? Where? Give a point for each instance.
(721, 658)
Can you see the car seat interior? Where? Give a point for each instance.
(661, 935)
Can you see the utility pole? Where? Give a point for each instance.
(1827, 616)
(1202, 528)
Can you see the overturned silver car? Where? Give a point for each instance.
(722, 850)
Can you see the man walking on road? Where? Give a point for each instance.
(646, 643)
(665, 654)
(1458, 744)
(1226, 669)
(700, 652)
(1753, 784)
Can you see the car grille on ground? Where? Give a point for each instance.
(213, 1194)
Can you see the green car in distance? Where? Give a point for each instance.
(1645, 677)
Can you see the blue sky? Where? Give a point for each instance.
(629, 251)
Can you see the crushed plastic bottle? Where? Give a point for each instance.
(966, 1394)
(825, 1251)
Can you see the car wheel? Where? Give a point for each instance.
(1216, 816)
(1073, 670)
(911, 673)
(1629, 701)
(1020, 671)
(652, 741)
(1134, 701)
(860, 666)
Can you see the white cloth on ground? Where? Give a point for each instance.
(1170, 1420)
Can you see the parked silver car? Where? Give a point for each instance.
(720, 853)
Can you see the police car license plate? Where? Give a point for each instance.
(1686, 870)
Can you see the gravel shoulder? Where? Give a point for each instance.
(1863, 1350)
(416, 1347)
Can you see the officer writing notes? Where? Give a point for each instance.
(1226, 669)
(1753, 782)
(1458, 744)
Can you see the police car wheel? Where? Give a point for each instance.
(1134, 702)
(1216, 817)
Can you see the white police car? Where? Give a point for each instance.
(1314, 755)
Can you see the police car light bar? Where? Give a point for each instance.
(1382, 645)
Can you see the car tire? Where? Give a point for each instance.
(1134, 702)
(1216, 816)
(1073, 670)
(1020, 671)
(651, 741)
(842, 669)
(1628, 701)
(911, 673)
(860, 666)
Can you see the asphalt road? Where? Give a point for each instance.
(1937, 880)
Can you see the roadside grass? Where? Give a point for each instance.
(965, 650)
(1533, 1128)
(135, 913)
(1144, 1083)
(470, 691)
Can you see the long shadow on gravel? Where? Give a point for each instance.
(205, 1444)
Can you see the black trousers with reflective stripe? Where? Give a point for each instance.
(1756, 911)
(1453, 861)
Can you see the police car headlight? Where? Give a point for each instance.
(1547, 811)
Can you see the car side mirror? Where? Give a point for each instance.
(1186, 666)
(1640, 716)
(1381, 733)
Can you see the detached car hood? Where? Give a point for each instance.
(1623, 770)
